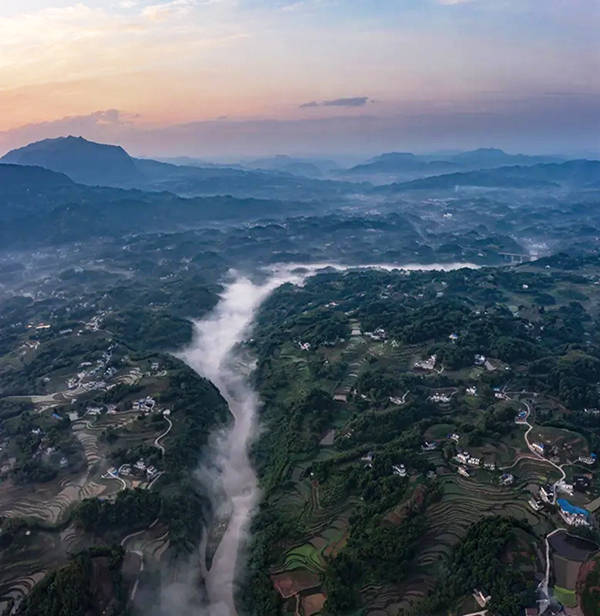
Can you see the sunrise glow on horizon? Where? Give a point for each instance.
(125, 67)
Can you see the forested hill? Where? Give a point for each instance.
(41, 207)
(82, 160)
(99, 164)
(580, 173)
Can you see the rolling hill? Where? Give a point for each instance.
(412, 166)
(82, 160)
(97, 164)
(574, 173)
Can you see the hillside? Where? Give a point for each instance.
(402, 162)
(32, 190)
(83, 161)
(574, 173)
(483, 158)
(406, 163)
(41, 207)
(16, 177)
(188, 180)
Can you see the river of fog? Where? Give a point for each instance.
(228, 476)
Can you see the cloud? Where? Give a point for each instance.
(308, 105)
(542, 124)
(356, 101)
(166, 10)
(108, 125)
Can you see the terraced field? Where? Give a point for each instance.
(533, 471)
(387, 601)
(47, 503)
(326, 527)
(37, 554)
(355, 356)
(89, 441)
(465, 502)
(306, 556)
(14, 590)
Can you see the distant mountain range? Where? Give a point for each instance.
(281, 176)
(483, 158)
(308, 167)
(98, 164)
(78, 162)
(573, 173)
(42, 207)
(402, 163)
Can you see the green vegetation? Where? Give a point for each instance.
(90, 584)
(590, 593)
(132, 510)
(567, 597)
(478, 563)
(423, 541)
(352, 496)
(375, 553)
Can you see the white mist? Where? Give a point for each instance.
(214, 355)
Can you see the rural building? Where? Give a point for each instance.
(538, 448)
(463, 471)
(426, 364)
(589, 460)
(572, 515)
(399, 469)
(547, 493)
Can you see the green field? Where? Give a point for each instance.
(567, 597)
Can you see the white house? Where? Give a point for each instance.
(538, 448)
(536, 505)
(463, 471)
(440, 397)
(547, 493)
(368, 457)
(563, 486)
(426, 364)
(482, 597)
(589, 460)
(399, 469)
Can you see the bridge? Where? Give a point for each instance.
(516, 257)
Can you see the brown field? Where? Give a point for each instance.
(291, 583)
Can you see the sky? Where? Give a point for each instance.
(218, 78)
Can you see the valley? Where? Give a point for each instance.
(366, 402)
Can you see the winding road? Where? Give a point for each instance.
(161, 436)
(543, 587)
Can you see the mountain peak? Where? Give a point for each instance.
(83, 161)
